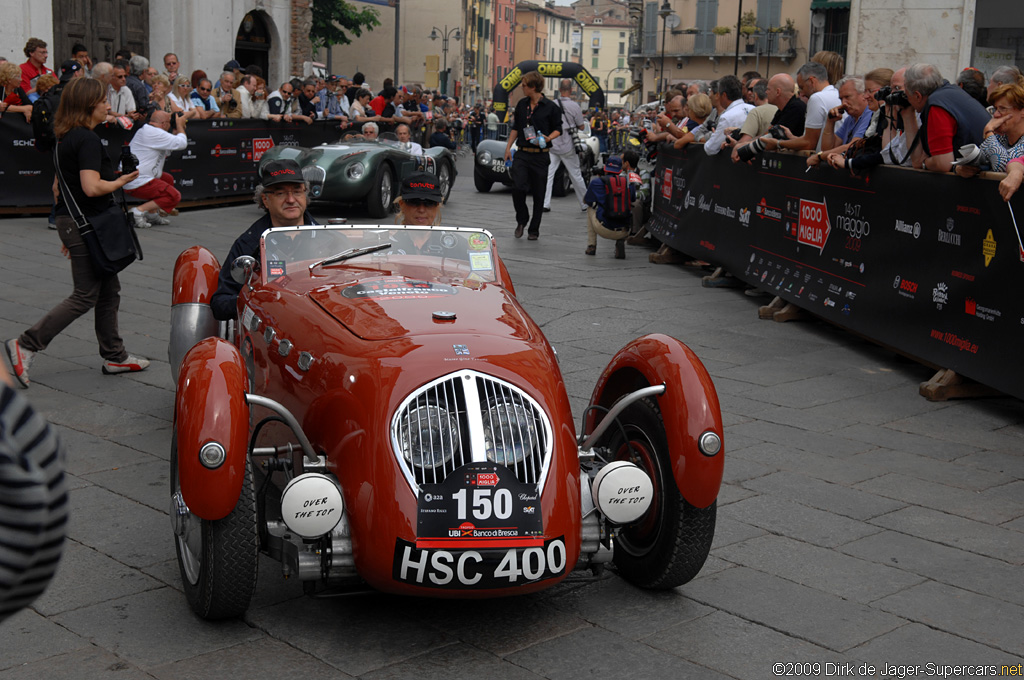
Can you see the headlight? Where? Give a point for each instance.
(428, 436)
(355, 171)
(485, 157)
(509, 433)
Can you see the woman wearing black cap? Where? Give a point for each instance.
(420, 206)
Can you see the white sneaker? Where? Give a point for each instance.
(132, 364)
(140, 219)
(155, 219)
(21, 360)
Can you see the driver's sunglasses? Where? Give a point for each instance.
(287, 92)
(203, 89)
(421, 202)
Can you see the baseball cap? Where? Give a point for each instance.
(332, 79)
(232, 65)
(68, 70)
(423, 186)
(613, 166)
(281, 172)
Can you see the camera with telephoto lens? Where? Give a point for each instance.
(747, 152)
(129, 161)
(892, 97)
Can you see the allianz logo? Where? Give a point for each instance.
(908, 228)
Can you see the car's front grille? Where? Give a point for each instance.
(314, 174)
(469, 417)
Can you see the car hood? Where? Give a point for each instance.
(386, 306)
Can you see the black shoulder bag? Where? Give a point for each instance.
(109, 236)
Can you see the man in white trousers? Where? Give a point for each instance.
(562, 149)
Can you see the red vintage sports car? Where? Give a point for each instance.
(384, 412)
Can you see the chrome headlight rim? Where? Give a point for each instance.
(355, 170)
(433, 416)
(485, 158)
(520, 420)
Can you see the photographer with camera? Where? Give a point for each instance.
(822, 97)
(853, 116)
(790, 115)
(151, 146)
(730, 94)
(950, 118)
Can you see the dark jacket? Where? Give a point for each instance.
(225, 301)
(971, 117)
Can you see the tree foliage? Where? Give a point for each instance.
(334, 20)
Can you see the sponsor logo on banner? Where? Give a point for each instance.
(725, 211)
(704, 205)
(767, 212)
(666, 184)
(187, 182)
(829, 302)
(905, 287)
(949, 236)
(813, 228)
(29, 173)
(908, 228)
(940, 295)
(985, 313)
(261, 146)
(745, 216)
(23, 142)
(689, 201)
(218, 151)
(988, 247)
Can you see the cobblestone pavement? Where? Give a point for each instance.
(858, 523)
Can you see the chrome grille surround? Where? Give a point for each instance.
(472, 397)
(314, 174)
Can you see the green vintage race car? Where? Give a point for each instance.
(356, 170)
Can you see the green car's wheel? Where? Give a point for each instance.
(444, 176)
(382, 192)
(483, 185)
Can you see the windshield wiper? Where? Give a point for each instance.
(349, 254)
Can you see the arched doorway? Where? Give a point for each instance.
(253, 42)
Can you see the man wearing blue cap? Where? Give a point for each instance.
(609, 202)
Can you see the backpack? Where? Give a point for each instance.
(618, 205)
(43, 112)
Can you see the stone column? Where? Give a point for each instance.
(301, 25)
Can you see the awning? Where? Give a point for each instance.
(829, 4)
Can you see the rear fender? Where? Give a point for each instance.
(195, 281)
(689, 407)
(210, 407)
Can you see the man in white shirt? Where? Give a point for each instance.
(812, 79)
(152, 144)
(730, 92)
(563, 151)
(244, 95)
(404, 135)
(120, 98)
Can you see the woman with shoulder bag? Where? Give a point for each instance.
(88, 174)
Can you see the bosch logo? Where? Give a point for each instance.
(24, 142)
(904, 285)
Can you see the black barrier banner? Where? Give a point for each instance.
(929, 264)
(220, 162)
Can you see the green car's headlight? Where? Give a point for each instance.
(355, 171)
(485, 157)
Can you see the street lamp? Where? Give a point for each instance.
(436, 33)
(665, 12)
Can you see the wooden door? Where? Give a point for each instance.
(104, 26)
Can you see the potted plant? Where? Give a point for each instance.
(721, 30)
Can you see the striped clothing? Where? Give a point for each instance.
(33, 502)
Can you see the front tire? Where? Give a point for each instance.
(483, 185)
(562, 183)
(445, 177)
(217, 559)
(382, 193)
(668, 545)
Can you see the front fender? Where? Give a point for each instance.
(210, 407)
(195, 281)
(689, 407)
